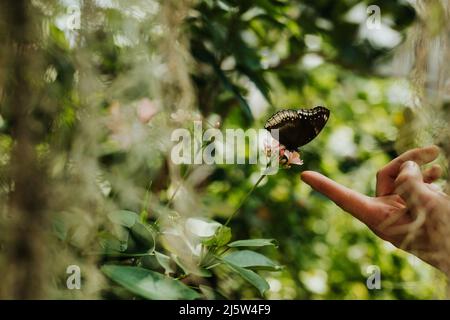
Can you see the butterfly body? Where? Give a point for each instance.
(298, 127)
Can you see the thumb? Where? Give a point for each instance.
(351, 201)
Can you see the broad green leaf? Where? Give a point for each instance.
(198, 271)
(164, 261)
(149, 284)
(124, 218)
(253, 243)
(112, 245)
(251, 259)
(235, 90)
(59, 228)
(211, 294)
(144, 237)
(250, 276)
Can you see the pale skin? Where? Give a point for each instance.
(408, 210)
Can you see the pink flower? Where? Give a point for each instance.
(146, 110)
(285, 157)
(293, 157)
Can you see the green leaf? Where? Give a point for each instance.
(124, 218)
(164, 261)
(235, 90)
(221, 238)
(112, 246)
(59, 228)
(144, 237)
(149, 284)
(201, 53)
(258, 79)
(198, 271)
(251, 259)
(211, 294)
(253, 243)
(116, 242)
(58, 37)
(250, 276)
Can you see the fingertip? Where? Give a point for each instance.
(432, 151)
(409, 165)
(305, 174)
(409, 175)
(436, 170)
(410, 169)
(310, 176)
(421, 155)
(432, 174)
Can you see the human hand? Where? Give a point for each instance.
(407, 211)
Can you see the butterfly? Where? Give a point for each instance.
(297, 127)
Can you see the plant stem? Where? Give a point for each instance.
(185, 175)
(183, 178)
(245, 199)
(145, 204)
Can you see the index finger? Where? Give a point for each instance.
(387, 175)
(351, 201)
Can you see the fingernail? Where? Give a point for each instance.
(410, 164)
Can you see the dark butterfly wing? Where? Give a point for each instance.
(298, 127)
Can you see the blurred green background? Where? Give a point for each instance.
(302, 54)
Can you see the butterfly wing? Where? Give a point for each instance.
(298, 127)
